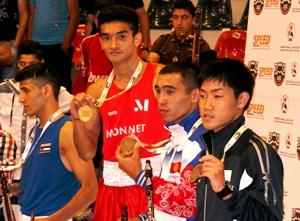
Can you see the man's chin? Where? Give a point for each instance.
(30, 114)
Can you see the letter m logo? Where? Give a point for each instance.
(141, 106)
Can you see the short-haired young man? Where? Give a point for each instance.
(174, 195)
(129, 108)
(241, 176)
(11, 111)
(55, 182)
(13, 119)
(178, 45)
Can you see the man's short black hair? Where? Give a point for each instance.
(186, 5)
(232, 73)
(119, 13)
(187, 71)
(41, 73)
(31, 48)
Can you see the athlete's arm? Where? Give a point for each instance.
(86, 133)
(84, 172)
(23, 20)
(153, 57)
(73, 10)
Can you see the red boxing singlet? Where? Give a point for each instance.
(134, 112)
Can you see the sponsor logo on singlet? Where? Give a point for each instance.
(141, 106)
(125, 130)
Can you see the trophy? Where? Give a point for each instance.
(5, 180)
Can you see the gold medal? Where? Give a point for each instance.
(127, 145)
(195, 173)
(85, 113)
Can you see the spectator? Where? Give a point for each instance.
(13, 23)
(53, 24)
(178, 45)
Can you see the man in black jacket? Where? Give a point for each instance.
(241, 176)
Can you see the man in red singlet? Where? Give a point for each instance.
(93, 64)
(129, 107)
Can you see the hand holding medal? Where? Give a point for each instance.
(85, 112)
(83, 107)
(195, 175)
(127, 145)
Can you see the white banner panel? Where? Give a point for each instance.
(273, 56)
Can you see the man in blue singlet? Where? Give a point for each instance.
(55, 182)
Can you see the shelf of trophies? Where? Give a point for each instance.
(217, 15)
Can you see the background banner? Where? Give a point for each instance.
(273, 56)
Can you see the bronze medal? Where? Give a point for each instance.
(195, 173)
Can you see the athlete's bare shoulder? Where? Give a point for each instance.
(95, 89)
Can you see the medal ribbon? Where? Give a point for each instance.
(30, 146)
(134, 77)
(232, 140)
(160, 144)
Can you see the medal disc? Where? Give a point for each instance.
(195, 173)
(85, 113)
(127, 146)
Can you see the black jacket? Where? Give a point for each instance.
(248, 203)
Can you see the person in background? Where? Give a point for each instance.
(53, 24)
(92, 65)
(241, 176)
(177, 93)
(55, 182)
(87, 12)
(11, 111)
(124, 111)
(177, 45)
(13, 23)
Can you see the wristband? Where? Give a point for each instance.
(228, 189)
